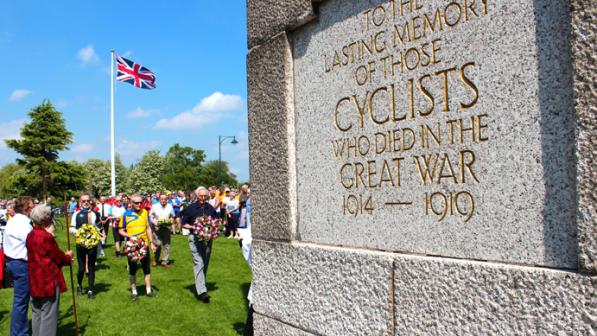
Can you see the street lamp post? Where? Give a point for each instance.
(221, 139)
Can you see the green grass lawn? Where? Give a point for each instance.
(176, 311)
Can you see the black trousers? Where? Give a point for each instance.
(91, 255)
(145, 265)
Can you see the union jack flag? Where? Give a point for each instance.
(134, 73)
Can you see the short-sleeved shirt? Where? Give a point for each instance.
(176, 203)
(161, 212)
(135, 223)
(232, 206)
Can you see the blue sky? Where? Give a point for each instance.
(60, 50)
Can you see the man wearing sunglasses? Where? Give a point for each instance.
(85, 215)
(135, 224)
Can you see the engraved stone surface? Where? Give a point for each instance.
(584, 56)
(327, 291)
(439, 128)
(266, 18)
(265, 326)
(435, 296)
(271, 138)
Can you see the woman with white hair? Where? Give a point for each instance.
(46, 281)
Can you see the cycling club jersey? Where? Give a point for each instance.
(135, 223)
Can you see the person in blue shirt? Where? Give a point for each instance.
(176, 203)
(72, 206)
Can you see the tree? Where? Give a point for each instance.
(9, 175)
(182, 167)
(209, 174)
(67, 177)
(98, 176)
(146, 175)
(42, 139)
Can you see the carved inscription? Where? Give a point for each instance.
(404, 111)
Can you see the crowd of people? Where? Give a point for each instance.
(34, 259)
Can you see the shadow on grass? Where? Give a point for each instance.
(4, 314)
(69, 327)
(101, 287)
(239, 327)
(245, 289)
(101, 265)
(211, 286)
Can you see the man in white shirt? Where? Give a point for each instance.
(115, 213)
(15, 250)
(104, 211)
(162, 218)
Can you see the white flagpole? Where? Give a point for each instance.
(113, 164)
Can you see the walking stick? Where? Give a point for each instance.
(72, 282)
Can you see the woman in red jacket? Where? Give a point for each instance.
(45, 277)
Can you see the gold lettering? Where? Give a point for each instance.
(470, 84)
(427, 95)
(467, 165)
(376, 12)
(393, 102)
(342, 179)
(445, 73)
(371, 105)
(371, 172)
(446, 16)
(360, 109)
(396, 162)
(450, 174)
(336, 116)
(480, 127)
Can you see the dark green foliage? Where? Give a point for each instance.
(215, 172)
(182, 167)
(41, 141)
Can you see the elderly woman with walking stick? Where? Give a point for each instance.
(46, 281)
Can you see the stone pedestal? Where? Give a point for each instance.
(423, 167)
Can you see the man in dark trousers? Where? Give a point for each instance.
(85, 215)
(200, 250)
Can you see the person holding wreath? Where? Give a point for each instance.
(162, 218)
(200, 249)
(86, 227)
(134, 225)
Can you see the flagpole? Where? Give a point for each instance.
(113, 164)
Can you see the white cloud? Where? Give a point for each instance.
(87, 55)
(209, 110)
(19, 94)
(141, 113)
(10, 130)
(82, 148)
(61, 104)
(131, 150)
